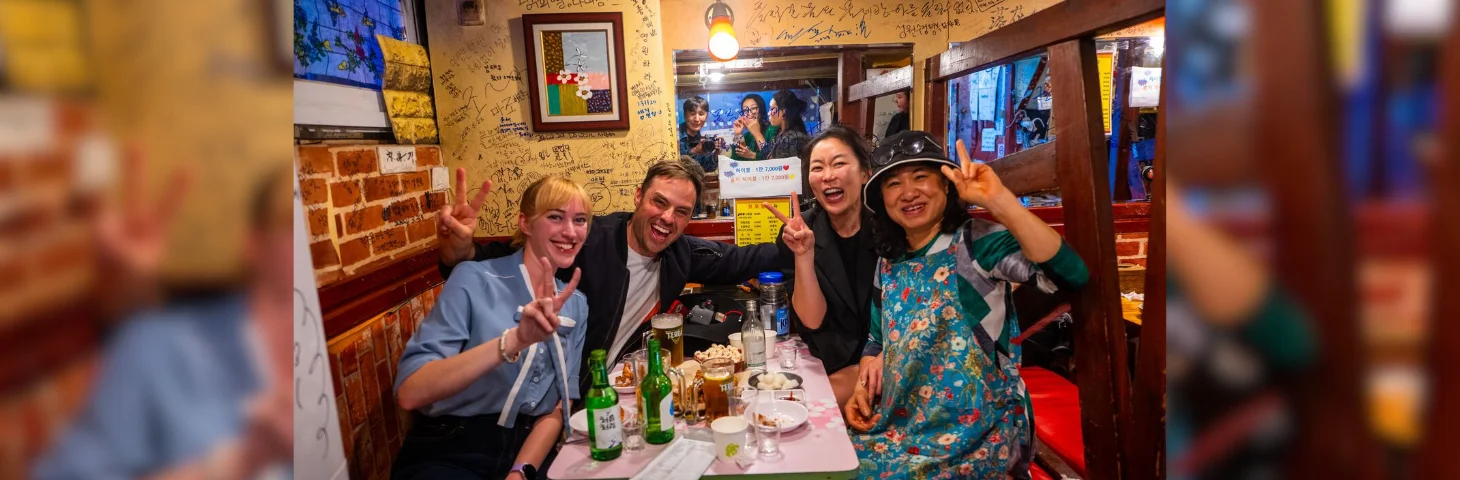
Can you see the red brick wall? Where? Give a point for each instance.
(360, 218)
(31, 419)
(364, 361)
(1130, 248)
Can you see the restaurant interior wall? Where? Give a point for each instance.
(480, 71)
(360, 218)
(362, 365)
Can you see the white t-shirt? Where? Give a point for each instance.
(642, 295)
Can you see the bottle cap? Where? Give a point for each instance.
(771, 277)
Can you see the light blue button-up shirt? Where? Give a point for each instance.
(479, 302)
(173, 386)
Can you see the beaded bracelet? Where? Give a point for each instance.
(502, 347)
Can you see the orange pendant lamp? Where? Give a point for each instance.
(723, 45)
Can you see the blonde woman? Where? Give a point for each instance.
(493, 369)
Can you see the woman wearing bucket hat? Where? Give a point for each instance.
(952, 401)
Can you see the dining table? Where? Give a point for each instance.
(818, 449)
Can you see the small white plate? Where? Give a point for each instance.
(579, 421)
(613, 377)
(792, 414)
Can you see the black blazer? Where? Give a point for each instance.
(838, 342)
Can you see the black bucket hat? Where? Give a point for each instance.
(905, 147)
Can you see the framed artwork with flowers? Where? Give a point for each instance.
(576, 76)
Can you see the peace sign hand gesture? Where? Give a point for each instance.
(798, 237)
(456, 221)
(540, 316)
(976, 182)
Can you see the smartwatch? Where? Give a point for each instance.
(528, 471)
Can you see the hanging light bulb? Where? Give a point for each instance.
(723, 44)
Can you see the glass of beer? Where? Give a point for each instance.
(669, 329)
(719, 380)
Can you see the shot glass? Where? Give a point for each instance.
(766, 420)
(788, 355)
(633, 432)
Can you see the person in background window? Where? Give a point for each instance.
(899, 122)
(791, 137)
(785, 115)
(196, 388)
(953, 404)
(691, 142)
(493, 369)
(753, 128)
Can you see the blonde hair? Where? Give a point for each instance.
(546, 194)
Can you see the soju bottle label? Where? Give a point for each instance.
(607, 435)
(666, 413)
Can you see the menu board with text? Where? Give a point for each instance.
(755, 224)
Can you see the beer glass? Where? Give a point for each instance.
(669, 330)
(719, 380)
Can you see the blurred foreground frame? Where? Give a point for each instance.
(1441, 441)
(108, 75)
(1284, 133)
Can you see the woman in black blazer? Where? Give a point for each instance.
(831, 302)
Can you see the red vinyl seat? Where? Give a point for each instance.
(1056, 415)
(1037, 473)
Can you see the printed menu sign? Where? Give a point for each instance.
(760, 178)
(754, 224)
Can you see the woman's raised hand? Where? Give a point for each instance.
(457, 221)
(540, 316)
(976, 182)
(798, 237)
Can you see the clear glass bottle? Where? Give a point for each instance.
(752, 338)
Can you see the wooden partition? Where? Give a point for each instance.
(1116, 436)
(1313, 231)
(1435, 458)
(850, 72)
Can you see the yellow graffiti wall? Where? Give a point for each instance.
(481, 83)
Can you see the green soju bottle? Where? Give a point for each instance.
(658, 398)
(605, 439)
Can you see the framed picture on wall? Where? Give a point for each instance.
(576, 77)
